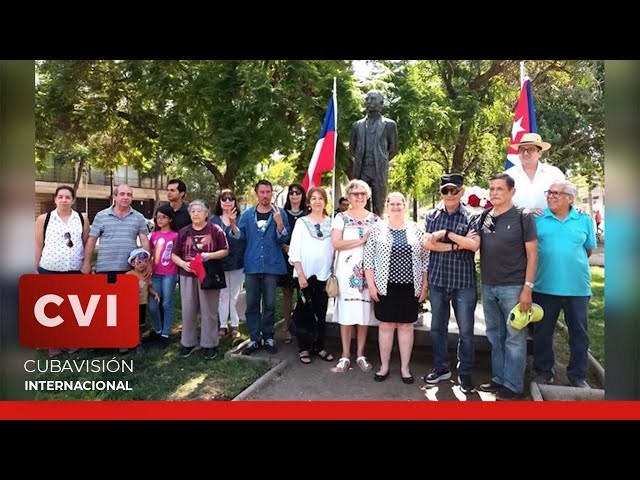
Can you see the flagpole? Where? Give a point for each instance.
(335, 152)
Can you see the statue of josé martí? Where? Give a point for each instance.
(373, 143)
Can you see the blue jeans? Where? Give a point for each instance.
(576, 310)
(261, 286)
(162, 314)
(508, 344)
(464, 305)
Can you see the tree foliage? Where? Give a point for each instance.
(225, 117)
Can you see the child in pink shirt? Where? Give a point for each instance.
(165, 275)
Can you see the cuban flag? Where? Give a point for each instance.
(524, 121)
(324, 155)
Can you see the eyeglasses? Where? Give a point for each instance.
(527, 149)
(295, 192)
(67, 237)
(318, 231)
(227, 199)
(358, 194)
(554, 194)
(449, 191)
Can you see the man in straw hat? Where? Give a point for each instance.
(532, 177)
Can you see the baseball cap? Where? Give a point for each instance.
(519, 319)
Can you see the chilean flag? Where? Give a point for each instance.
(524, 121)
(324, 155)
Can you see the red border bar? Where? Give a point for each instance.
(192, 410)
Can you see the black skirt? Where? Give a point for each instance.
(399, 305)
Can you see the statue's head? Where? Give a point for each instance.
(373, 101)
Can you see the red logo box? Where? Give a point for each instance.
(78, 311)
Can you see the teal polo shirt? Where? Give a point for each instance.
(563, 265)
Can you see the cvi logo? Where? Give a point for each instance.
(78, 311)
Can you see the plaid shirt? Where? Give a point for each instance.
(452, 269)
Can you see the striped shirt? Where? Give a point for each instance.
(117, 238)
(452, 269)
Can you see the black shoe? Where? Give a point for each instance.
(436, 376)
(491, 387)
(466, 385)
(507, 394)
(380, 378)
(152, 337)
(578, 383)
(252, 347)
(163, 342)
(210, 353)
(408, 380)
(543, 379)
(186, 351)
(270, 346)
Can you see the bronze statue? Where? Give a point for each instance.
(373, 143)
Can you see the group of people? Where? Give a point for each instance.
(534, 247)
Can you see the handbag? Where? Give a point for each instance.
(332, 283)
(304, 324)
(214, 278)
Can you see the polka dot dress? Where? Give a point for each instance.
(401, 268)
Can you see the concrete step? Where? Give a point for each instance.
(422, 328)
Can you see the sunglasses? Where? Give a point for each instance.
(67, 237)
(449, 191)
(295, 192)
(227, 199)
(318, 231)
(141, 256)
(527, 149)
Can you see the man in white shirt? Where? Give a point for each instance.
(533, 177)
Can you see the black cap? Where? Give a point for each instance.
(453, 179)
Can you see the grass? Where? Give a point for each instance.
(596, 314)
(161, 374)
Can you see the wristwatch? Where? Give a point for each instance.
(529, 284)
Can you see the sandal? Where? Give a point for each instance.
(343, 365)
(235, 333)
(222, 332)
(364, 365)
(305, 357)
(324, 355)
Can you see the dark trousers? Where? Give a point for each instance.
(111, 276)
(44, 271)
(319, 299)
(142, 314)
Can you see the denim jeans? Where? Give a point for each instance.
(464, 304)
(162, 314)
(576, 310)
(261, 286)
(508, 344)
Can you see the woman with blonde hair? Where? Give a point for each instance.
(350, 231)
(396, 271)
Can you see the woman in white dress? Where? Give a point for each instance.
(350, 230)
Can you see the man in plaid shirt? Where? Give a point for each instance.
(452, 237)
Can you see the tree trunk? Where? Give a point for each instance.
(76, 182)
